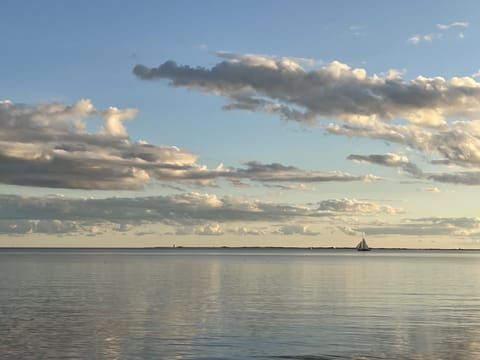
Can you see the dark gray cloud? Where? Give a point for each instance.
(279, 173)
(460, 177)
(390, 160)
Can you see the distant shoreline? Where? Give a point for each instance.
(231, 248)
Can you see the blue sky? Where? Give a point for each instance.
(279, 123)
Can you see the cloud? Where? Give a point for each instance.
(270, 175)
(390, 160)
(356, 206)
(23, 215)
(208, 215)
(44, 226)
(433, 226)
(114, 118)
(399, 161)
(357, 30)
(243, 230)
(47, 145)
(416, 39)
(347, 230)
(460, 177)
(334, 90)
(294, 230)
(419, 38)
(462, 24)
(278, 173)
(300, 187)
(209, 229)
(457, 142)
(416, 113)
(188, 213)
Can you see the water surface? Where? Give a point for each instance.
(239, 304)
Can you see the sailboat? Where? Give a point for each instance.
(362, 245)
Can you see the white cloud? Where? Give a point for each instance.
(113, 121)
(418, 38)
(356, 206)
(462, 24)
(243, 230)
(213, 229)
(294, 229)
(357, 30)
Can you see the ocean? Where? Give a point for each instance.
(239, 304)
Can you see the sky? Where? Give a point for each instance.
(248, 123)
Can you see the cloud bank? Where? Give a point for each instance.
(335, 90)
(188, 213)
(416, 113)
(48, 145)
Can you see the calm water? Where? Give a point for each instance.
(239, 304)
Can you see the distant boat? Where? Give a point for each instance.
(362, 245)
